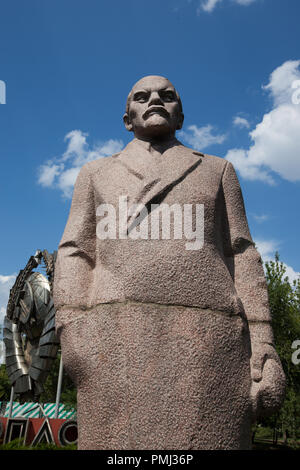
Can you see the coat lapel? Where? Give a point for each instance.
(154, 177)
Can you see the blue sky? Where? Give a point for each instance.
(68, 66)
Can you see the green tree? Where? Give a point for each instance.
(68, 390)
(5, 386)
(284, 300)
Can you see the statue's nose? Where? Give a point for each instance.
(155, 99)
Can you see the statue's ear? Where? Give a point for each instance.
(180, 122)
(127, 122)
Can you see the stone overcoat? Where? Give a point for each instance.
(155, 335)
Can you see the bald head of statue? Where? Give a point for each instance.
(153, 109)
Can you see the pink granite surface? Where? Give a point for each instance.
(169, 348)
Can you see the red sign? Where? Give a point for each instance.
(33, 431)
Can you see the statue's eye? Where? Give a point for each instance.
(168, 95)
(141, 97)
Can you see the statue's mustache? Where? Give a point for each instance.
(155, 109)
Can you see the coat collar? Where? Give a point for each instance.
(155, 175)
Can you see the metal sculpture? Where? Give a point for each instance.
(29, 328)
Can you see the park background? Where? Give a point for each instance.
(68, 66)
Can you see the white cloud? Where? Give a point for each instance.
(281, 80)
(267, 250)
(2, 352)
(276, 139)
(260, 218)
(77, 146)
(291, 273)
(241, 122)
(61, 173)
(244, 2)
(48, 173)
(209, 5)
(6, 282)
(201, 137)
(248, 169)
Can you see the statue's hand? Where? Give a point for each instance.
(268, 380)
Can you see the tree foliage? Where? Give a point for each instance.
(4, 384)
(68, 391)
(284, 300)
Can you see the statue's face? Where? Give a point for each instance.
(153, 110)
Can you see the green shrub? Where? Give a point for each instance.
(263, 433)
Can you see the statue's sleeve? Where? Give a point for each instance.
(76, 252)
(248, 273)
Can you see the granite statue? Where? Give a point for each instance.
(170, 344)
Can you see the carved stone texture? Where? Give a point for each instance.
(169, 347)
